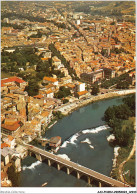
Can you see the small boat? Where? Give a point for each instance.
(44, 184)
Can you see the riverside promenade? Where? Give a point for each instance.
(71, 106)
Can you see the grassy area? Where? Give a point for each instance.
(130, 165)
(123, 154)
(129, 170)
(5, 75)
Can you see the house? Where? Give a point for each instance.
(4, 180)
(56, 61)
(5, 157)
(45, 117)
(18, 81)
(71, 86)
(50, 80)
(39, 99)
(81, 94)
(80, 86)
(4, 176)
(46, 54)
(93, 77)
(10, 141)
(3, 145)
(4, 89)
(55, 141)
(66, 80)
(49, 93)
(109, 73)
(11, 128)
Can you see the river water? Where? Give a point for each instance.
(84, 136)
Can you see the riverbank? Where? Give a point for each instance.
(69, 108)
(123, 155)
(100, 98)
(99, 159)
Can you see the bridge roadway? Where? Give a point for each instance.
(81, 169)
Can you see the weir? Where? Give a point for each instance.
(70, 166)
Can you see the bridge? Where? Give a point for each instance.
(43, 141)
(91, 175)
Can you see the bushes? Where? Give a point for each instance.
(58, 114)
(95, 90)
(117, 112)
(124, 132)
(65, 101)
(117, 118)
(122, 82)
(32, 88)
(63, 92)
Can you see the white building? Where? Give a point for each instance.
(78, 22)
(80, 86)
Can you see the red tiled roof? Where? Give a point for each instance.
(10, 137)
(11, 79)
(50, 79)
(3, 175)
(38, 96)
(12, 127)
(45, 114)
(82, 93)
(3, 145)
(49, 91)
(44, 59)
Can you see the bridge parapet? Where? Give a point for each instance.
(71, 166)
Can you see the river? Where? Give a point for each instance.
(84, 136)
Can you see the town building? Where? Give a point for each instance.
(93, 77)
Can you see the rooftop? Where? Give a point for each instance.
(11, 79)
(50, 79)
(12, 127)
(82, 93)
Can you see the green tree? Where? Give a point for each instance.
(123, 84)
(62, 93)
(58, 114)
(124, 133)
(32, 88)
(95, 90)
(65, 101)
(130, 102)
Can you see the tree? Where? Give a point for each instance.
(62, 93)
(65, 101)
(122, 85)
(109, 114)
(122, 112)
(117, 112)
(130, 102)
(32, 88)
(95, 90)
(124, 133)
(58, 114)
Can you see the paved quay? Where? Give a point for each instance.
(69, 107)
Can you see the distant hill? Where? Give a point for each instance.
(106, 8)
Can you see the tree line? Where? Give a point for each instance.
(122, 82)
(117, 118)
(66, 63)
